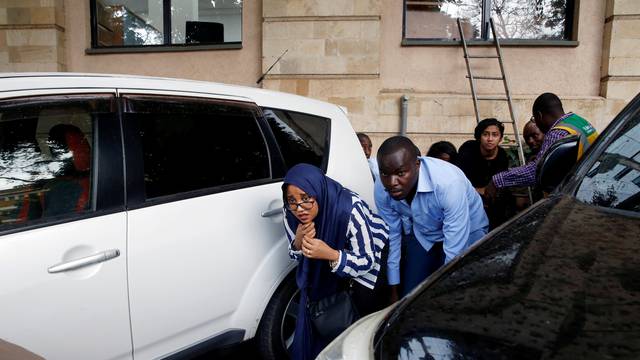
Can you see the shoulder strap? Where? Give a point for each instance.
(576, 125)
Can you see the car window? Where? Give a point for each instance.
(302, 138)
(614, 180)
(192, 144)
(46, 160)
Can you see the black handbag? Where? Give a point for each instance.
(332, 315)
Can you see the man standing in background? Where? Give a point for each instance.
(366, 144)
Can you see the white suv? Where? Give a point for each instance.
(142, 217)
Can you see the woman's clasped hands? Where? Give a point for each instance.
(311, 247)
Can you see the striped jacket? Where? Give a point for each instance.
(367, 235)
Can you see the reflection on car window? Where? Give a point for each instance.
(614, 180)
(193, 144)
(301, 137)
(438, 344)
(46, 156)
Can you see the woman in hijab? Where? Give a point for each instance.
(334, 236)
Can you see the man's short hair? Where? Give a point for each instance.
(547, 103)
(529, 123)
(362, 136)
(443, 147)
(395, 143)
(484, 124)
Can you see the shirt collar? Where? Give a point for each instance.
(424, 178)
(561, 118)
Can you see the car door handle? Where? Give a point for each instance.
(271, 212)
(85, 261)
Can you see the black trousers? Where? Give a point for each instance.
(367, 300)
(416, 263)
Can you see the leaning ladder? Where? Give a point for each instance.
(503, 77)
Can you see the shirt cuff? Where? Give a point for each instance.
(497, 180)
(393, 276)
(294, 253)
(339, 263)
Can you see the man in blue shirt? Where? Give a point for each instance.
(367, 145)
(446, 212)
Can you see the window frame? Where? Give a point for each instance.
(134, 157)
(572, 28)
(107, 163)
(166, 46)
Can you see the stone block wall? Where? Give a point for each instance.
(32, 35)
(336, 55)
(620, 69)
(333, 54)
(431, 117)
(322, 46)
(321, 38)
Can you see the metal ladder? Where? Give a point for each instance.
(472, 81)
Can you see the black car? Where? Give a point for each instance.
(562, 280)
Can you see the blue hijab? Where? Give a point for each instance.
(314, 277)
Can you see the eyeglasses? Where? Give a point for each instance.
(305, 204)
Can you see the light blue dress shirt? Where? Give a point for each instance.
(445, 208)
(373, 166)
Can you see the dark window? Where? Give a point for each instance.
(46, 157)
(135, 23)
(514, 19)
(614, 180)
(302, 138)
(190, 144)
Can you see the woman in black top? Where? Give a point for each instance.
(482, 158)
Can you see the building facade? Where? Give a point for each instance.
(362, 54)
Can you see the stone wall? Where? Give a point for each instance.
(322, 37)
(369, 75)
(32, 35)
(334, 51)
(621, 50)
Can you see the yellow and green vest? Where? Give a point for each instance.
(576, 125)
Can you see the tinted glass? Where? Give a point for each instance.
(614, 180)
(188, 144)
(206, 21)
(437, 19)
(302, 138)
(46, 156)
(121, 23)
(531, 19)
(129, 22)
(514, 19)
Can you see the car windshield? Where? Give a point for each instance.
(614, 179)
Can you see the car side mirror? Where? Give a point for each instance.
(557, 162)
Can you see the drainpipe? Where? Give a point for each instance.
(404, 101)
